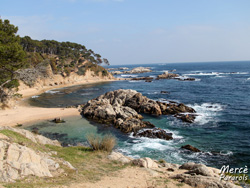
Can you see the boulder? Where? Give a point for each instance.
(19, 161)
(155, 133)
(116, 156)
(145, 162)
(190, 148)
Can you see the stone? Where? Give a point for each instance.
(155, 133)
(167, 75)
(116, 156)
(145, 162)
(190, 148)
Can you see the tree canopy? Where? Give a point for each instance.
(11, 56)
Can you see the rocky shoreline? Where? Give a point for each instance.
(195, 175)
(21, 160)
(121, 108)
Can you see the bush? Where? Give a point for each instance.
(105, 143)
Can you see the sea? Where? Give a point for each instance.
(220, 95)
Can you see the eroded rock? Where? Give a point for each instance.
(120, 108)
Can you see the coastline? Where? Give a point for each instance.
(24, 113)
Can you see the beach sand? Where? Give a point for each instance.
(24, 113)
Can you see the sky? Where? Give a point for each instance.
(140, 31)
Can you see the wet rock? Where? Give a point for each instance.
(164, 92)
(155, 133)
(189, 118)
(58, 120)
(143, 78)
(190, 148)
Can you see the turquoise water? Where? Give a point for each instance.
(220, 95)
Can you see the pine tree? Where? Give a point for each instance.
(11, 58)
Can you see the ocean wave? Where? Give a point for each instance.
(197, 73)
(52, 91)
(153, 93)
(136, 81)
(129, 75)
(35, 96)
(206, 112)
(248, 78)
(84, 94)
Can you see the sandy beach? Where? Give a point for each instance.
(24, 113)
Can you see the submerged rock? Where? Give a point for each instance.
(190, 148)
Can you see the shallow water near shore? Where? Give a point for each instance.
(220, 95)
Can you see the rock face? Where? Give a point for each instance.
(138, 70)
(18, 161)
(121, 107)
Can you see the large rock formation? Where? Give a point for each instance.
(138, 70)
(18, 161)
(121, 107)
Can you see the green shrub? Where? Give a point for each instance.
(105, 143)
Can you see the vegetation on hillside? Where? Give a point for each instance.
(91, 165)
(18, 54)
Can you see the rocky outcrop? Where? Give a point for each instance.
(18, 161)
(195, 175)
(138, 70)
(116, 72)
(155, 133)
(199, 175)
(167, 75)
(121, 107)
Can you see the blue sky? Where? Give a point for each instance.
(140, 31)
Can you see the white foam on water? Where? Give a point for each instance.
(203, 74)
(129, 75)
(136, 81)
(248, 78)
(206, 112)
(84, 94)
(198, 73)
(35, 96)
(52, 91)
(226, 153)
(153, 93)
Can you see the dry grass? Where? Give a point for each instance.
(105, 143)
